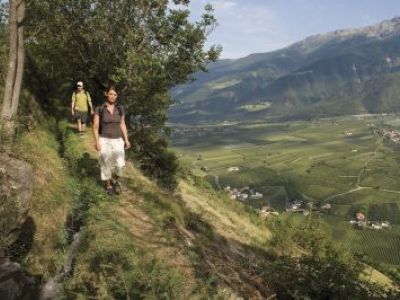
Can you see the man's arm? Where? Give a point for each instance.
(73, 104)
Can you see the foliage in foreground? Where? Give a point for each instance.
(319, 268)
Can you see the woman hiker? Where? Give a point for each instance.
(111, 140)
(81, 102)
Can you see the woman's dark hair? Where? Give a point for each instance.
(111, 88)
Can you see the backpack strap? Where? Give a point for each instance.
(101, 112)
(86, 94)
(102, 107)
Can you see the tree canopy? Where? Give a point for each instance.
(144, 47)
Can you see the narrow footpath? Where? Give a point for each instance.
(209, 243)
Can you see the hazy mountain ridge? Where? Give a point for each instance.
(313, 72)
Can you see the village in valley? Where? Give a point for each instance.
(344, 170)
(246, 193)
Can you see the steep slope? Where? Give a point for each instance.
(291, 82)
(195, 243)
(172, 233)
(145, 243)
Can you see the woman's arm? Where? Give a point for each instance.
(124, 131)
(96, 120)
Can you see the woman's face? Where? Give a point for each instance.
(111, 96)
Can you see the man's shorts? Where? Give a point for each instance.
(81, 115)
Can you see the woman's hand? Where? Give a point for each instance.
(97, 146)
(127, 144)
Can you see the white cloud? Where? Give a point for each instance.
(223, 4)
(249, 26)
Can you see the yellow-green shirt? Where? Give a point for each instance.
(81, 101)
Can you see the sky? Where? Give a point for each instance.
(253, 26)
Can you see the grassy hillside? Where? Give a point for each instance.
(194, 243)
(42, 244)
(146, 243)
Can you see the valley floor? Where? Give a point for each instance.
(346, 162)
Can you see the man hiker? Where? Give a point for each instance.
(81, 102)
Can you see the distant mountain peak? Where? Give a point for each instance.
(384, 29)
(341, 72)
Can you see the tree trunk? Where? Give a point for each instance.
(15, 65)
(20, 59)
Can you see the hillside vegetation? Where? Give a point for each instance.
(169, 235)
(151, 243)
(145, 243)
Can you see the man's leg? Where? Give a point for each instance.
(78, 121)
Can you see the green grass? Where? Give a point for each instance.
(217, 85)
(53, 197)
(381, 246)
(256, 107)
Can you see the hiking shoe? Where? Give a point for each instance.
(117, 187)
(110, 191)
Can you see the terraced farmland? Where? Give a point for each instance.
(340, 161)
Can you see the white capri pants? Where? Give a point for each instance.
(112, 157)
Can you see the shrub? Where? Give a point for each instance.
(157, 161)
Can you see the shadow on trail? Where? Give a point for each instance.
(15, 282)
(18, 250)
(88, 167)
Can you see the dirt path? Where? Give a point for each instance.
(216, 179)
(147, 235)
(358, 188)
(371, 156)
(221, 251)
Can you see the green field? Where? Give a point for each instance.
(338, 161)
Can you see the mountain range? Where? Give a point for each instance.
(348, 71)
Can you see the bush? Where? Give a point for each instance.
(157, 161)
(323, 271)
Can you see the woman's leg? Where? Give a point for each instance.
(118, 163)
(106, 161)
(119, 152)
